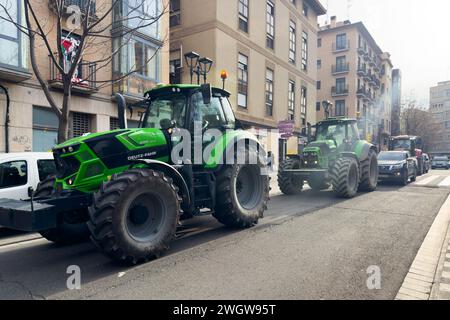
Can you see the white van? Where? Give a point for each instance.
(20, 171)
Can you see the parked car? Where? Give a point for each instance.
(440, 162)
(426, 163)
(20, 171)
(397, 166)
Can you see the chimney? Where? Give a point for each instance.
(333, 22)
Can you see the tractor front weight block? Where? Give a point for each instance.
(40, 214)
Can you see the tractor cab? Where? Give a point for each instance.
(183, 106)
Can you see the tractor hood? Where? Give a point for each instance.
(325, 146)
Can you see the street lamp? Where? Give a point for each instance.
(204, 67)
(192, 59)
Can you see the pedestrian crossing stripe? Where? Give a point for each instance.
(445, 182)
(427, 180)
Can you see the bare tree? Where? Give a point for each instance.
(93, 32)
(418, 121)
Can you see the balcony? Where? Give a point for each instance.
(361, 71)
(83, 82)
(339, 91)
(82, 4)
(339, 47)
(361, 93)
(340, 68)
(368, 75)
(14, 74)
(375, 82)
(362, 50)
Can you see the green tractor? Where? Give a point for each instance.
(125, 190)
(336, 158)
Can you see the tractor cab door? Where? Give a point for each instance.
(209, 119)
(352, 137)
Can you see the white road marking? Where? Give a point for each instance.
(426, 181)
(445, 182)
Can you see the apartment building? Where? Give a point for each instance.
(440, 108)
(268, 48)
(355, 75)
(33, 126)
(396, 101)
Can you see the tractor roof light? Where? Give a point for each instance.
(223, 75)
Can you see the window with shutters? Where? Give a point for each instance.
(114, 123)
(81, 124)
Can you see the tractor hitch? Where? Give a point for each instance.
(35, 215)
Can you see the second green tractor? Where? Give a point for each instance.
(335, 157)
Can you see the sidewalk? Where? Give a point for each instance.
(429, 275)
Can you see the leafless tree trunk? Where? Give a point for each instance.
(93, 31)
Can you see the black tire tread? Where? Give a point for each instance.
(339, 177)
(104, 205)
(365, 184)
(285, 183)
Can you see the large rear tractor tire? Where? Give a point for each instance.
(135, 215)
(242, 193)
(288, 183)
(65, 233)
(345, 177)
(369, 173)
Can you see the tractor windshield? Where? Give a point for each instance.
(335, 132)
(401, 144)
(166, 109)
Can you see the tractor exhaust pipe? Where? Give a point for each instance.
(122, 111)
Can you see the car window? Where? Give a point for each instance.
(13, 174)
(46, 168)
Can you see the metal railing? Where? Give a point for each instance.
(85, 76)
(341, 46)
(339, 91)
(339, 68)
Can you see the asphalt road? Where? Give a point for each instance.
(310, 246)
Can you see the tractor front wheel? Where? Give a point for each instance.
(135, 215)
(345, 177)
(242, 193)
(287, 182)
(65, 233)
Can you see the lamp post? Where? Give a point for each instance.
(192, 60)
(327, 105)
(204, 67)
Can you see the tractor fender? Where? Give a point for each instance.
(363, 149)
(246, 138)
(172, 173)
(227, 143)
(349, 155)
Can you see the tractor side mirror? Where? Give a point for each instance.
(206, 93)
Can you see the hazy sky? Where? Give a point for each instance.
(415, 32)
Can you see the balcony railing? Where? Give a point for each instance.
(340, 68)
(362, 50)
(337, 47)
(362, 70)
(84, 80)
(339, 91)
(82, 4)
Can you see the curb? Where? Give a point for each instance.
(418, 283)
(441, 287)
